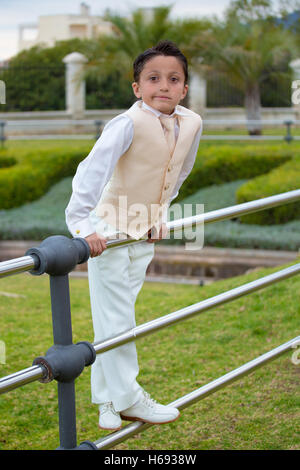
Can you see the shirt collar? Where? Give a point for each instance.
(158, 113)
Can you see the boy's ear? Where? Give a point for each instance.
(185, 90)
(136, 89)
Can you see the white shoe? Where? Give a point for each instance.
(109, 418)
(149, 411)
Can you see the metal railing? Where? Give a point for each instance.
(56, 126)
(65, 361)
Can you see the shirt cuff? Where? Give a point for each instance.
(82, 229)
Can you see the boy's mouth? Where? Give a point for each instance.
(163, 97)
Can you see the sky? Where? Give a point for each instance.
(15, 12)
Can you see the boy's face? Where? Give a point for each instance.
(161, 83)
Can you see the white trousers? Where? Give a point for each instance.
(115, 279)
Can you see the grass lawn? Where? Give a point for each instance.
(261, 411)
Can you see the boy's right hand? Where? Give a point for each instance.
(96, 243)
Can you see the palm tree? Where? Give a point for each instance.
(247, 47)
(134, 34)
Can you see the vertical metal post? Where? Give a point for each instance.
(57, 256)
(98, 125)
(62, 336)
(288, 138)
(2, 136)
(61, 310)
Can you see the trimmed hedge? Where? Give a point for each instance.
(34, 174)
(7, 161)
(225, 163)
(46, 217)
(232, 233)
(39, 167)
(280, 180)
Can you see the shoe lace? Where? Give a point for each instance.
(108, 407)
(150, 402)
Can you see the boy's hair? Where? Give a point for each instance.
(166, 48)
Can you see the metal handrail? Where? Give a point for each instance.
(34, 373)
(25, 263)
(248, 137)
(252, 121)
(195, 309)
(199, 394)
(16, 266)
(235, 123)
(67, 391)
(15, 122)
(20, 378)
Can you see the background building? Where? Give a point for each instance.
(51, 28)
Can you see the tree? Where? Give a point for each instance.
(134, 34)
(247, 47)
(35, 79)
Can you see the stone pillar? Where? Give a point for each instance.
(197, 93)
(295, 66)
(75, 85)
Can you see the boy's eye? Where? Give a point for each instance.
(174, 79)
(153, 78)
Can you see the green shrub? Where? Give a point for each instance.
(226, 163)
(232, 233)
(7, 161)
(35, 79)
(35, 174)
(280, 180)
(46, 216)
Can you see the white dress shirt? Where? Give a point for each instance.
(94, 172)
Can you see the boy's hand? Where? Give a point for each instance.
(96, 243)
(163, 231)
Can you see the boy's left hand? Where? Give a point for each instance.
(153, 237)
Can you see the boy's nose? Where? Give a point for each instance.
(164, 85)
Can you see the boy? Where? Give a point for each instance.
(136, 167)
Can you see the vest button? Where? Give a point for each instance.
(167, 186)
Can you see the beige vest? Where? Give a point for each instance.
(144, 178)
